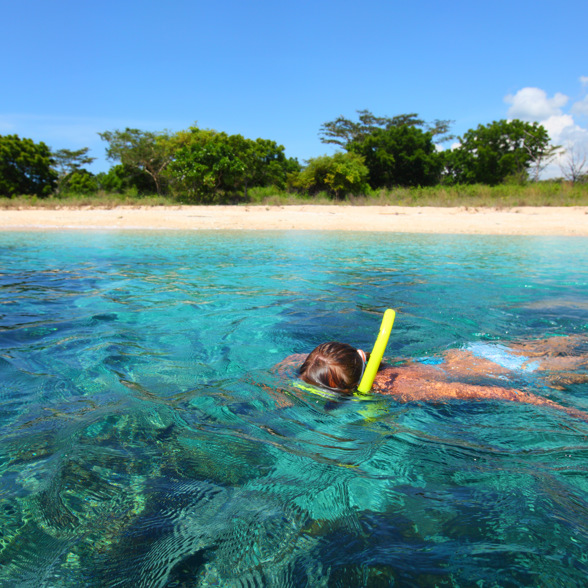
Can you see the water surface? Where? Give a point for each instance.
(146, 441)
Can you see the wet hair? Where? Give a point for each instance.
(333, 365)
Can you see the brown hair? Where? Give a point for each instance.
(333, 365)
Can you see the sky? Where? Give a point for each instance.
(280, 69)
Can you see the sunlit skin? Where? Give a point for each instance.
(410, 381)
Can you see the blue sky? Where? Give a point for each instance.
(278, 70)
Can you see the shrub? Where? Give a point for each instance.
(338, 175)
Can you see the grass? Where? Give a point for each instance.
(98, 200)
(502, 196)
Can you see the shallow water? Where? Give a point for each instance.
(146, 441)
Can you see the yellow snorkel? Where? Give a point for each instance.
(377, 352)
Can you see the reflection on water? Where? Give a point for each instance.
(146, 441)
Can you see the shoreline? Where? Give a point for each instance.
(539, 221)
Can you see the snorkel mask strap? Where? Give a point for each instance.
(323, 391)
(369, 374)
(361, 354)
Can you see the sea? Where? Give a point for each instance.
(148, 440)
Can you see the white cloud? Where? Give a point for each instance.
(581, 107)
(532, 104)
(559, 126)
(564, 131)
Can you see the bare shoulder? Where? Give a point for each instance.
(398, 379)
(292, 361)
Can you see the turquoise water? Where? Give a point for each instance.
(146, 441)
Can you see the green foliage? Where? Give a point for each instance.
(343, 131)
(496, 152)
(80, 181)
(543, 193)
(143, 150)
(75, 200)
(206, 164)
(68, 163)
(122, 179)
(268, 165)
(25, 167)
(195, 165)
(210, 166)
(338, 175)
(399, 156)
(398, 151)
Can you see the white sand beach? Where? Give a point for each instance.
(564, 221)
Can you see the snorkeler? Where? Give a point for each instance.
(339, 367)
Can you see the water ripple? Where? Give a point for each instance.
(147, 441)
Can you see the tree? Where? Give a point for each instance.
(539, 159)
(149, 151)
(494, 152)
(25, 167)
(401, 155)
(573, 167)
(339, 174)
(398, 151)
(122, 178)
(343, 131)
(69, 162)
(80, 181)
(269, 165)
(210, 164)
(207, 164)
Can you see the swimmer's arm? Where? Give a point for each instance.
(410, 386)
(428, 384)
(422, 390)
(477, 393)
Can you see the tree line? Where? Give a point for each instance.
(204, 166)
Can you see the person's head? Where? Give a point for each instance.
(333, 365)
